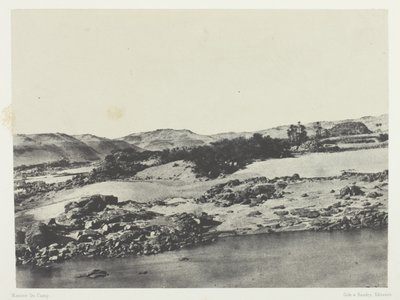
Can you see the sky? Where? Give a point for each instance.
(112, 73)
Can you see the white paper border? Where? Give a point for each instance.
(7, 272)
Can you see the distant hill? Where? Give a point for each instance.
(370, 121)
(349, 128)
(32, 149)
(39, 148)
(104, 146)
(167, 139)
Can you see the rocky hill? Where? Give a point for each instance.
(349, 128)
(376, 124)
(104, 146)
(30, 149)
(167, 139)
(39, 148)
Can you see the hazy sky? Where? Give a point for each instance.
(111, 73)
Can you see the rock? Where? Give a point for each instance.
(90, 204)
(183, 259)
(207, 221)
(352, 190)
(332, 191)
(254, 213)
(281, 213)
(88, 235)
(93, 224)
(128, 236)
(295, 177)
(279, 207)
(281, 184)
(52, 222)
(20, 237)
(366, 203)
(105, 229)
(21, 250)
(305, 213)
(41, 235)
(53, 258)
(70, 206)
(337, 204)
(374, 194)
(53, 252)
(96, 273)
(304, 195)
(267, 189)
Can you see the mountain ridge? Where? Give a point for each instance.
(48, 147)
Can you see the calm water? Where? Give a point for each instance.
(301, 259)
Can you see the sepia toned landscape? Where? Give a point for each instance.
(200, 148)
(87, 198)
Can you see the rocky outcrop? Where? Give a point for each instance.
(351, 190)
(251, 192)
(108, 230)
(41, 235)
(349, 128)
(363, 218)
(367, 177)
(305, 213)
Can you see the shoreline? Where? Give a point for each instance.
(246, 256)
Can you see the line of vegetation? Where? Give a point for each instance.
(219, 158)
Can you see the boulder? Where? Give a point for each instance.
(254, 213)
(374, 194)
(281, 213)
(295, 177)
(279, 207)
(20, 237)
(128, 236)
(90, 204)
(21, 250)
(41, 235)
(88, 235)
(305, 213)
(266, 189)
(281, 184)
(352, 190)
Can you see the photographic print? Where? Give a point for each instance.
(200, 148)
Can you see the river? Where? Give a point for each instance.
(297, 259)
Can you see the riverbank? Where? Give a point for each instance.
(355, 258)
(103, 226)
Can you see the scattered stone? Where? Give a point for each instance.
(281, 213)
(279, 207)
(305, 213)
(96, 273)
(374, 194)
(304, 195)
(183, 259)
(254, 213)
